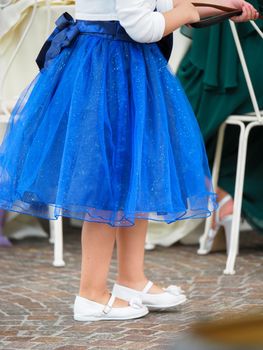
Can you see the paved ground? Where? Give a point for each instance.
(36, 298)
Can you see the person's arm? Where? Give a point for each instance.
(145, 25)
(183, 13)
(248, 11)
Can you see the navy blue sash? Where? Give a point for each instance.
(63, 35)
(67, 30)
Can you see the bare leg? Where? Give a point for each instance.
(97, 247)
(130, 249)
(227, 209)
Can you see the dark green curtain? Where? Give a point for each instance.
(214, 83)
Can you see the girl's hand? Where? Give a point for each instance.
(186, 6)
(194, 15)
(248, 12)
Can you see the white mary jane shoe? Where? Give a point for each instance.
(171, 297)
(88, 310)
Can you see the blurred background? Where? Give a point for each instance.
(199, 254)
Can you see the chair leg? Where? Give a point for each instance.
(239, 185)
(56, 237)
(52, 231)
(215, 174)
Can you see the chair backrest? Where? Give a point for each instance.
(245, 68)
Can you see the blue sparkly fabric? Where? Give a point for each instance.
(105, 133)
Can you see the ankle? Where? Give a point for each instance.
(221, 193)
(226, 210)
(99, 296)
(138, 283)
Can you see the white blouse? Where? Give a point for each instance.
(138, 17)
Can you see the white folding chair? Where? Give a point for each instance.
(56, 238)
(56, 231)
(181, 45)
(246, 123)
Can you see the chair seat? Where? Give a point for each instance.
(249, 117)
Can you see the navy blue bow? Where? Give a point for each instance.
(63, 35)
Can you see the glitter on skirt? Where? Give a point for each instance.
(106, 134)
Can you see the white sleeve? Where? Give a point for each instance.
(164, 5)
(140, 21)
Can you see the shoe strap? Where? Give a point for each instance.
(147, 287)
(108, 307)
(223, 201)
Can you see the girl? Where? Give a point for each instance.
(105, 134)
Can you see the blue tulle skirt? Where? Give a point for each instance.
(105, 133)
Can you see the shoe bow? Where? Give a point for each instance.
(136, 303)
(174, 290)
(64, 35)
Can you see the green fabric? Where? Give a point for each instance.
(214, 83)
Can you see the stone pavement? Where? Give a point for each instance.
(36, 299)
